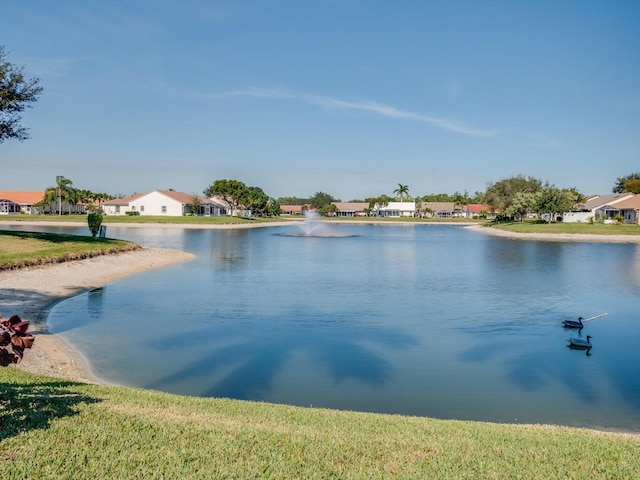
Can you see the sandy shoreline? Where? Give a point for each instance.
(555, 237)
(32, 292)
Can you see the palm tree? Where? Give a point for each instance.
(62, 191)
(402, 191)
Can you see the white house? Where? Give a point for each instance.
(398, 209)
(596, 207)
(164, 202)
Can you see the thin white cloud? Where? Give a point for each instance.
(331, 103)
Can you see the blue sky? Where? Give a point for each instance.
(346, 97)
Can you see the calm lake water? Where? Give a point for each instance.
(424, 320)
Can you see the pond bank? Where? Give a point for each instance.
(32, 292)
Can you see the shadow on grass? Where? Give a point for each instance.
(33, 406)
(54, 237)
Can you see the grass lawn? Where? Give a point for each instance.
(113, 219)
(55, 429)
(584, 228)
(20, 249)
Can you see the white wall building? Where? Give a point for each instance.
(398, 209)
(164, 203)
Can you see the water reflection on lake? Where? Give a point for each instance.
(422, 320)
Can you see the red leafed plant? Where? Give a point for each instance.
(13, 340)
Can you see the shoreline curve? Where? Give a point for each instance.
(31, 292)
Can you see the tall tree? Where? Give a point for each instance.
(16, 93)
(627, 184)
(376, 203)
(321, 199)
(402, 191)
(63, 191)
(552, 202)
(500, 195)
(461, 199)
(234, 192)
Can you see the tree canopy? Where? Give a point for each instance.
(16, 93)
(238, 195)
(501, 195)
(62, 191)
(628, 184)
(234, 192)
(321, 199)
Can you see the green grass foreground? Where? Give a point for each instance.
(22, 249)
(559, 227)
(52, 429)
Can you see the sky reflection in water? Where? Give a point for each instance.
(421, 320)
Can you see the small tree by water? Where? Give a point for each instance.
(94, 220)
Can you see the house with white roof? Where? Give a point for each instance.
(398, 209)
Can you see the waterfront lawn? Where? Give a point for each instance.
(559, 227)
(58, 429)
(21, 249)
(119, 219)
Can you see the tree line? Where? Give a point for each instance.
(513, 197)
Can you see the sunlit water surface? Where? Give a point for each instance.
(425, 320)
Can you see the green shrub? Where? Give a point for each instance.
(94, 220)
(132, 213)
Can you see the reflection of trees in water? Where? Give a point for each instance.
(257, 352)
(229, 248)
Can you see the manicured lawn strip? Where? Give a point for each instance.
(399, 220)
(21, 249)
(57, 429)
(114, 219)
(584, 228)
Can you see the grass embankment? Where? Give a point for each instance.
(120, 219)
(22, 249)
(57, 429)
(575, 228)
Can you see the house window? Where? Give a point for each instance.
(142, 208)
(133, 207)
(117, 208)
(163, 209)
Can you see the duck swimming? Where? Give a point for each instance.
(573, 323)
(580, 343)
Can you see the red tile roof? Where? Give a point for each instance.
(22, 197)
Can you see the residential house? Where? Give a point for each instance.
(629, 208)
(291, 209)
(350, 209)
(479, 210)
(164, 202)
(398, 209)
(596, 207)
(119, 206)
(25, 202)
(13, 201)
(438, 209)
